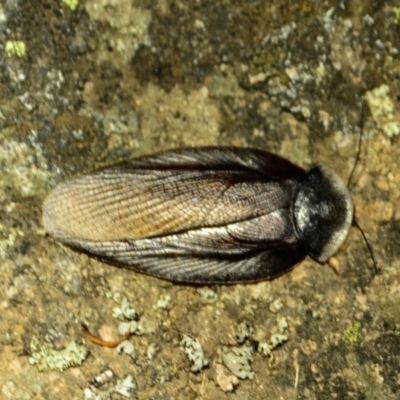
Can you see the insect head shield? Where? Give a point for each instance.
(323, 212)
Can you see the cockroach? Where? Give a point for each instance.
(207, 215)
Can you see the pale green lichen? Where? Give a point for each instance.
(319, 73)
(382, 110)
(353, 332)
(23, 166)
(131, 28)
(278, 337)
(126, 387)
(164, 302)
(396, 13)
(72, 4)
(276, 306)
(238, 360)
(127, 327)
(195, 353)
(15, 48)
(131, 321)
(244, 331)
(46, 358)
(8, 238)
(207, 295)
(125, 312)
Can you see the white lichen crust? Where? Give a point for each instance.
(276, 339)
(126, 387)
(125, 312)
(382, 110)
(238, 360)
(46, 358)
(244, 331)
(195, 353)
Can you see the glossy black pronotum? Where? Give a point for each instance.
(203, 215)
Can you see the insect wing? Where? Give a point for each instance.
(166, 200)
(220, 268)
(258, 162)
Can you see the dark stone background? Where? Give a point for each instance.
(115, 79)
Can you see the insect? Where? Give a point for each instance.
(203, 215)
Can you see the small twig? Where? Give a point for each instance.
(99, 341)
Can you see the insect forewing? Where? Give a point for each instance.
(197, 215)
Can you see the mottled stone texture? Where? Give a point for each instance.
(116, 79)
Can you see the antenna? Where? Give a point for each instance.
(369, 247)
(359, 144)
(355, 222)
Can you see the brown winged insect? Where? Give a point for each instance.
(203, 215)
